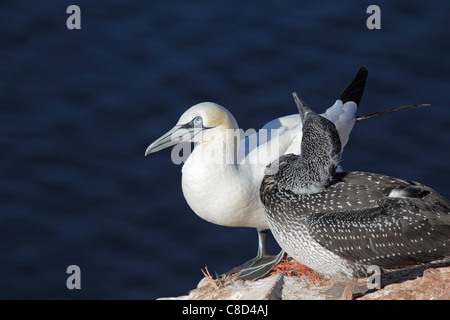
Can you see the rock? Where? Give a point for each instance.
(268, 288)
(433, 285)
(277, 286)
(423, 283)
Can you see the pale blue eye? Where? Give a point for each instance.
(198, 121)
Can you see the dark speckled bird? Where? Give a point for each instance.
(340, 223)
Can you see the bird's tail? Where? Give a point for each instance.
(355, 89)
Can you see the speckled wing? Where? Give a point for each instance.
(412, 227)
(387, 186)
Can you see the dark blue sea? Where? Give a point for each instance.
(79, 108)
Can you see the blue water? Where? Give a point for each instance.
(79, 108)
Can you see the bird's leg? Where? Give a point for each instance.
(262, 264)
(262, 243)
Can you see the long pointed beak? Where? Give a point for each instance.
(301, 106)
(175, 136)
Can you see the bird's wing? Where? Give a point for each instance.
(262, 141)
(393, 187)
(265, 146)
(393, 233)
(283, 123)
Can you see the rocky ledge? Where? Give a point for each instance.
(424, 283)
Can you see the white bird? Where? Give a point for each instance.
(221, 178)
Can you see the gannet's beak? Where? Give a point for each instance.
(175, 136)
(169, 139)
(178, 134)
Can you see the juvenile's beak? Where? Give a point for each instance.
(171, 138)
(302, 108)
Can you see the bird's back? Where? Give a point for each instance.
(383, 221)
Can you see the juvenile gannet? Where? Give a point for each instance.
(339, 224)
(221, 183)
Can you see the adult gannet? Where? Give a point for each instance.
(341, 223)
(221, 183)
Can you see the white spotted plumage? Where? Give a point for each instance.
(356, 219)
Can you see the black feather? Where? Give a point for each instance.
(354, 91)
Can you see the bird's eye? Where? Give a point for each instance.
(197, 121)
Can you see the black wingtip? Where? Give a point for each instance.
(355, 89)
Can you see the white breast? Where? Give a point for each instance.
(223, 194)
